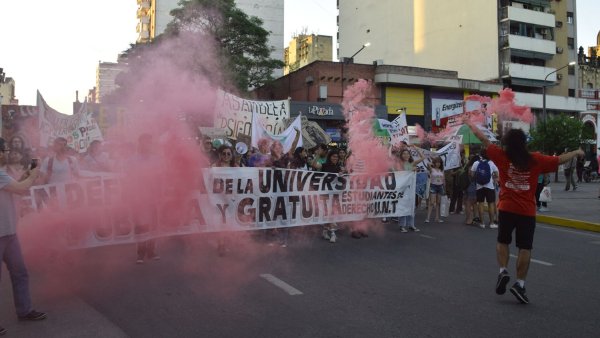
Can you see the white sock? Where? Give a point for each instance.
(521, 283)
(503, 269)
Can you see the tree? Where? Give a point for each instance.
(241, 42)
(557, 134)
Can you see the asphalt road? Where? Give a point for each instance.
(436, 283)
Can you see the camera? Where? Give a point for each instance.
(34, 163)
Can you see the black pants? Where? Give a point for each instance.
(456, 200)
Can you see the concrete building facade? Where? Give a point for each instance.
(305, 49)
(106, 74)
(520, 44)
(154, 16)
(7, 90)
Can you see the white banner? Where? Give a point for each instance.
(234, 114)
(79, 130)
(286, 137)
(94, 212)
(400, 128)
(450, 154)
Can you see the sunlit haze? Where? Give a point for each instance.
(55, 46)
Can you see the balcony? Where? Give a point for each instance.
(528, 16)
(520, 71)
(541, 48)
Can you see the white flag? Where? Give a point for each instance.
(286, 137)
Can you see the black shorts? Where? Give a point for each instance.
(486, 194)
(524, 225)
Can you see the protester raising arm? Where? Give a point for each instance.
(22, 186)
(566, 157)
(478, 133)
(421, 155)
(294, 144)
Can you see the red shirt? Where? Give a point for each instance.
(517, 188)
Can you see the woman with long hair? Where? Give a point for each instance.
(405, 162)
(518, 170)
(436, 188)
(470, 193)
(225, 160)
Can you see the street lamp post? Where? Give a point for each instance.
(572, 63)
(347, 61)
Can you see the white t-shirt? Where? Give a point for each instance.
(493, 169)
(62, 171)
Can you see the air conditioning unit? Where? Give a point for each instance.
(559, 76)
(559, 50)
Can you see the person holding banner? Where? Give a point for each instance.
(143, 171)
(226, 160)
(280, 160)
(519, 170)
(10, 249)
(405, 162)
(60, 167)
(332, 165)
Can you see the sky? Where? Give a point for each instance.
(55, 46)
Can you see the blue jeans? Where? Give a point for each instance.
(10, 252)
(405, 221)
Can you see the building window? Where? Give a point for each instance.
(571, 70)
(589, 85)
(570, 17)
(571, 92)
(571, 43)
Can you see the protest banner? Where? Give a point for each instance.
(450, 155)
(79, 129)
(236, 199)
(400, 130)
(234, 114)
(313, 134)
(286, 137)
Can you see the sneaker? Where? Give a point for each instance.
(503, 279)
(440, 221)
(477, 220)
(481, 225)
(33, 315)
(544, 209)
(326, 235)
(139, 261)
(2, 331)
(284, 245)
(403, 229)
(519, 292)
(493, 225)
(332, 238)
(426, 221)
(414, 228)
(384, 220)
(155, 258)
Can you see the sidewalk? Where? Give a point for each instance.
(576, 209)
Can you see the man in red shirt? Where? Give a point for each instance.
(519, 170)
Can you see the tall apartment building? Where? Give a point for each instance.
(106, 73)
(521, 44)
(7, 89)
(154, 15)
(304, 49)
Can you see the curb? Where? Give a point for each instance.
(570, 223)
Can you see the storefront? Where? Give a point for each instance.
(329, 116)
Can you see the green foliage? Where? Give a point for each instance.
(241, 42)
(557, 134)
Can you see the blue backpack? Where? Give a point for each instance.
(483, 175)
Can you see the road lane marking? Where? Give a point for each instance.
(427, 236)
(292, 291)
(536, 261)
(569, 231)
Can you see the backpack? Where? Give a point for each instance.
(483, 175)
